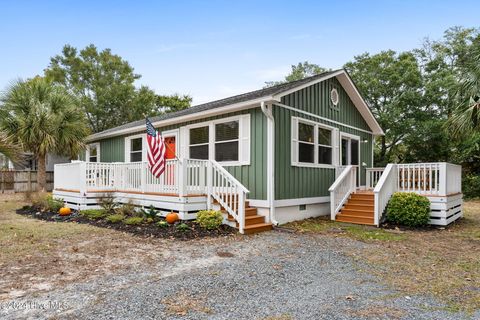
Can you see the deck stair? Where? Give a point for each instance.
(359, 209)
(254, 223)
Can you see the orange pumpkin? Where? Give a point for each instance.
(171, 218)
(65, 211)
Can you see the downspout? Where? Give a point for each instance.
(270, 160)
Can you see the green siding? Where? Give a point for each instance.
(301, 182)
(252, 176)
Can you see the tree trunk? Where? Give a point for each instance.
(383, 150)
(41, 173)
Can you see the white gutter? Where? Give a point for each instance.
(270, 160)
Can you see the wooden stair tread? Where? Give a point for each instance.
(359, 211)
(258, 227)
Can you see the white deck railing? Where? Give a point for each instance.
(386, 186)
(181, 177)
(372, 177)
(344, 185)
(228, 191)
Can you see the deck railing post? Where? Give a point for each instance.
(443, 179)
(83, 177)
(241, 212)
(182, 177)
(143, 176)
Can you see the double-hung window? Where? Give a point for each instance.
(225, 140)
(93, 152)
(312, 144)
(136, 149)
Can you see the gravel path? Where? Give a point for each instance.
(272, 275)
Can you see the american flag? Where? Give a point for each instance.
(155, 151)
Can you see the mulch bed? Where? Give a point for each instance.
(145, 229)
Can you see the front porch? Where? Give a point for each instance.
(440, 182)
(186, 187)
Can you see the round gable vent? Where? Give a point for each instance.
(334, 96)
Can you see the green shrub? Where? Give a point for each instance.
(127, 209)
(114, 218)
(133, 220)
(108, 204)
(150, 213)
(94, 214)
(471, 186)
(209, 219)
(408, 209)
(163, 224)
(182, 227)
(46, 202)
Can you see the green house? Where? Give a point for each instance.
(264, 157)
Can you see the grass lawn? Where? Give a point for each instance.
(36, 255)
(444, 262)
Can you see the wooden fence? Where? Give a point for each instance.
(21, 181)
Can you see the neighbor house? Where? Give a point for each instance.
(282, 153)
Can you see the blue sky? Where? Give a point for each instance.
(214, 49)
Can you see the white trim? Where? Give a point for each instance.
(189, 117)
(279, 95)
(295, 142)
(87, 151)
(258, 203)
(127, 146)
(243, 159)
(351, 137)
(299, 201)
(319, 117)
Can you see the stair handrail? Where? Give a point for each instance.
(385, 188)
(342, 187)
(230, 193)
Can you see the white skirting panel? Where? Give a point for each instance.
(300, 212)
(187, 207)
(446, 209)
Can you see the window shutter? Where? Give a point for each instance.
(294, 142)
(336, 147)
(244, 140)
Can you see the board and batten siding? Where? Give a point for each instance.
(252, 176)
(293, 182)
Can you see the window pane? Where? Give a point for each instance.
(199, 135)
(324, 136)
(93, 159)
(93, 151)
(226, 151)
(136, 144)
(305, 132)
(135, 157)
(305, 152)
(354, 148)
(199, 152)
(344, 152)
(226, 131)
(325, 155)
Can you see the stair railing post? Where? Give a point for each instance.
(83, 178)
(209, 185)
(241, 211)
(182, 178)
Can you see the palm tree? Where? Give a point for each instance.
(42, 118)
(9, 149)
(466, 117)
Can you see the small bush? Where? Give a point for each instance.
(133, 221)
(209, 219)
(163, 224)
(182, 227)
(471, 186)
(108, 204)
(114, 218)
(46, 202)
(150, 213)
(408, 209)
(94, 214)
(127, 209)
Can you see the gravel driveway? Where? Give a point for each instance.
(273, 275)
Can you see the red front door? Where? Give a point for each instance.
(170, 154)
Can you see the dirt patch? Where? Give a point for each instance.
(192, 231)
(182, 304)
(439, 261)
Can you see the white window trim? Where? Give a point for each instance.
(350, 137)
(295, 143)
(127, 146)
(172, 133)
(87, 153)
(243, 138)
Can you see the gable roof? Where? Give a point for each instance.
(245, 100)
